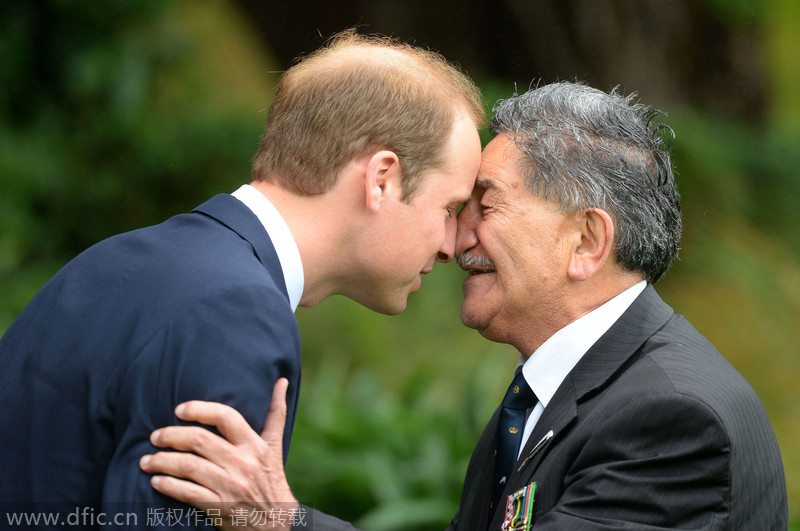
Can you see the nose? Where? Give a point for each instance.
(448, 245)
(466, 238)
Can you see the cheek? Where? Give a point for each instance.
(502, 244)
(422, 238)
(433, 233)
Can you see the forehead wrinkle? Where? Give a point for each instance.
(488, 176)
(505, 161)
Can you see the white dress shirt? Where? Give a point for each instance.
(550, 364)
(282, 239)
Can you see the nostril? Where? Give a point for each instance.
(443, 257)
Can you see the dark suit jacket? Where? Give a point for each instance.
(652, 429)
(193, 308)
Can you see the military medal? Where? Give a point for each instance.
(519, 509)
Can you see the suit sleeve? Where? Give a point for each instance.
(229, 348)
(658, 463)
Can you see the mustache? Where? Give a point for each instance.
(466, 259)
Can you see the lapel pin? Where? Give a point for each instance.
(539, 446)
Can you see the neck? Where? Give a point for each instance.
(315, 224)
(585, 297)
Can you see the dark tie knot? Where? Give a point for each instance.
(519, 395)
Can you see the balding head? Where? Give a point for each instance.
(356, 95)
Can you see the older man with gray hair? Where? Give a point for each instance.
(627, 417)
(620, 415)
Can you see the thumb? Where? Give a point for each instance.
(276, 417)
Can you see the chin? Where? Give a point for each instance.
(388, 307)
(471, 321)
(395, 310)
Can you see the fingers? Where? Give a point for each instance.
(276, 417)
(230, 423)
(184, 491)
(186, 466)
(194, 439)
(239, 466)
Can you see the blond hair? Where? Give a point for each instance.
(358, 94)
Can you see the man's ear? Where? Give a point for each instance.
(596, 241)
(382, 178)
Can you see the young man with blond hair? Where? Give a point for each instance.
(369, 148)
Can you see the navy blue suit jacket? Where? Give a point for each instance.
(193, 308)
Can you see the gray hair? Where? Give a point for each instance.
(587, 149)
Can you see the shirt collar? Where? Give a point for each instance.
(282, 239)
(550, 364)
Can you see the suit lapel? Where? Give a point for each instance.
(597, 368)
(611, 353)
(236, 216)
(555, 420)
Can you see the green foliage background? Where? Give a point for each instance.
(116, 115)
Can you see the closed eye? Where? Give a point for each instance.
(455, 209)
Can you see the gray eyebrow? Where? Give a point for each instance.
(485, 184)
